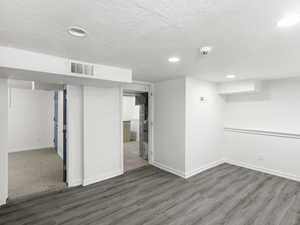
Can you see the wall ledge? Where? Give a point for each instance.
(263, 132)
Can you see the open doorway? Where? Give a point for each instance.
(135, 130)
(36, 153)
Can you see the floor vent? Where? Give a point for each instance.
(82, 68)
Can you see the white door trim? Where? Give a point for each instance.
(137, 86)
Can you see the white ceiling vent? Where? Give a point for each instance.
(81, 68)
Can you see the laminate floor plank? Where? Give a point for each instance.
(226, 195)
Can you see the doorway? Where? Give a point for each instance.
(135, 130)
(36, 153)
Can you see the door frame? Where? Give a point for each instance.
(4, 152)
(65, 134)
(55, 121)
(139, 87)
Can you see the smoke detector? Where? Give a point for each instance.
(205, 50)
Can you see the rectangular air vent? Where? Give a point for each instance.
(82, 68)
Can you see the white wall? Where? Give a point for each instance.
(275, 109)
(131, 112)
(204, 125)
(198, 132)
(169, 125)
(30, 120)
(270, 154)
(74, 135)
(3, 141)
(188, 126)
(103, 153)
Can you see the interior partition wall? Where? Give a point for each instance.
(3, 141)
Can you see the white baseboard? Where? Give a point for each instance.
(101, 177)
(74, 183)
(168, 169)
(2, 202)
(205, 167)
(232, 162)
(29, 149)
(264, 170)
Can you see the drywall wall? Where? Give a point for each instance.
(3, 141)
(131, 112)
(30, 120)
(271, 154)
(275, 109)
(169, 126)
(188, 126)
(74, 135)
(204, 125)
(103, 153)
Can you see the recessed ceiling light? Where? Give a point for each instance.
(77, 31)
(230, 76)
(173, 59)
(289, 20)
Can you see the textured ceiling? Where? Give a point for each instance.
(142, 34)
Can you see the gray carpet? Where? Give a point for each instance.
(223, 195)
(131, 156)
(34, 172)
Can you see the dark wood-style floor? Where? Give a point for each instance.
(223, 195)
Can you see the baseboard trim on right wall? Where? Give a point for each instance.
(2, 202)
(75, 183)
(205, 167)
(231, 162)
(168, 169)
(263, 170)
(101, 177)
